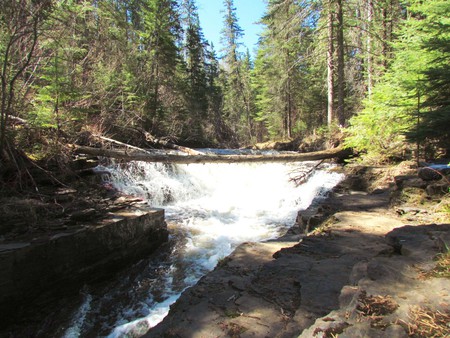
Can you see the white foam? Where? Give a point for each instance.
(218, 206)
(76, 326)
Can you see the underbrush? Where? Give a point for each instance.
(428, 323)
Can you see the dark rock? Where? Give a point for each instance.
(438, 188)
(84, 215)
(67, 260)
(433, 172)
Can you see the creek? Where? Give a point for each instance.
(210, 210)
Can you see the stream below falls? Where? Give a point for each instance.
(210, 210)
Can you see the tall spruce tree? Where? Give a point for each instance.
(403, 100)
(432, 131)
(234, 104)
(283, 68)
(194, 53)
(159, 85)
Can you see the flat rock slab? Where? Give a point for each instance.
(278, 289)
(54, 264)
(313, 287)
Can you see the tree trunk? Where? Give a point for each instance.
(369, 48)
(330, 64)
(340, 70)
(186, 159)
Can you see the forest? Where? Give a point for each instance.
(376, 72)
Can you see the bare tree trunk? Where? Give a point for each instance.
(369, 48)
(330, 64)
(340, 70)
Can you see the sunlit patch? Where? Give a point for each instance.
(211, 209)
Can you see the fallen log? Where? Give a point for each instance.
(170, 158)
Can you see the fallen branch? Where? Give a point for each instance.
(121, 143)
(152, 141)
(18, 121)
(167, 158)
(302, 177)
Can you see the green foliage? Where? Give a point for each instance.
(434, 118)
(379, 128)
(117, 64)
(282, 78)
(407, 88)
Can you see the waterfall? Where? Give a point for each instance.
(210, 210)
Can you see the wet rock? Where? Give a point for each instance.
(309, 219)
(62, 262)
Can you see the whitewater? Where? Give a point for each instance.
(210, 209)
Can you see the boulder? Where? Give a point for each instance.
(434, 172)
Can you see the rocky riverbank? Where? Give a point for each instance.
(55, 243)
(367, 269)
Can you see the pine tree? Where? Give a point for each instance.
(21, 23)
(194, 54)
(234, 105)
(406, 93)
(283, 68)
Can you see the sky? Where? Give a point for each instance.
(248, 13)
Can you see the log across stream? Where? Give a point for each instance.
(146, 156)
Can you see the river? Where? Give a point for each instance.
(210, 210)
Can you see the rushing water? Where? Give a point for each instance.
(210, 209)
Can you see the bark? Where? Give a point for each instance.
(370, 10)
(155, 141)
(166, 144)
(186, 159)
(340, 65)
(330, 65)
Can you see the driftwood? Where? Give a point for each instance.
(170, 145)
(155, 141)
(168, 158)
(121, 143)
(302, 177)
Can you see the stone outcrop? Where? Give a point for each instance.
(279, 288)
(357, 275)
(63, 262)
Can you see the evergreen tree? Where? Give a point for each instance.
(283, 68)
(401, 95)
(234, 104)
(194, 53)
(21, 23)
(432, 20)
(159, 83)
(219, 131)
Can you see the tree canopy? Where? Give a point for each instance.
(378, 68)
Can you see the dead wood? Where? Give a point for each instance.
(121, 143)
(169, 158)
(169, 145)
